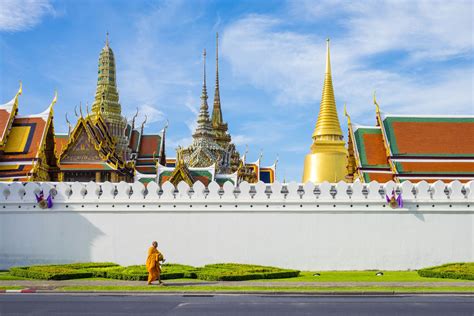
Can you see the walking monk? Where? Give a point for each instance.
(153, 263)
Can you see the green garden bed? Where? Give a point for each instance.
(213, 272)
(241, 272)
(60, 272)
(463, 271)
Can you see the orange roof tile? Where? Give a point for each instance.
(430, 136)
(149, 144)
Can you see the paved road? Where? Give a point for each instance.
(68, 304)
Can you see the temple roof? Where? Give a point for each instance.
(414, 147)
(370, 147)
(61, 140)
(7, 114)
(101, 142)
(429, 136)
(27, 135)
(149, 145)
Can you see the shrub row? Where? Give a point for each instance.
(59, 272)
(463, 271)
(139, 273)
(213, 272)
(242, 272)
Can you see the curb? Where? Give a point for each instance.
(260, 293)
(19, 291)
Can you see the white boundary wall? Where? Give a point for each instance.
(325, 227)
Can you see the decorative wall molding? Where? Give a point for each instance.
(355, 195)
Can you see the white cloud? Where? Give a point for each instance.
(433, 29)
(271, 60)
(152, 113)
(289, 66)
(19, 15)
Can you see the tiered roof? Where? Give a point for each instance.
(91, 147)
(415, 148)
(27, 151)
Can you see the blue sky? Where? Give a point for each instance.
(417, 55)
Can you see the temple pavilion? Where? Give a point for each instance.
(212, 156)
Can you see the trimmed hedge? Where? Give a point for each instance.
(242, 272)
(139, 272)
(460, 270)
(59, 272)
(212, 272)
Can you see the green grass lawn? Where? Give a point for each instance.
(360, 276)
(263, 289)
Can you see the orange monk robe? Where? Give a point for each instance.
(153, 264)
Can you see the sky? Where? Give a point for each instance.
(416, 55)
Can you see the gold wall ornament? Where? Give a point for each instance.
(327, 160)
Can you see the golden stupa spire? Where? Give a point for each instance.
(327, 160)
(327, 126)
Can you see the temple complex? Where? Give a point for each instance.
(104, 146)
(27, 144)
(412, 147)
(327, 160)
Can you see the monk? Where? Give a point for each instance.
(153, 263)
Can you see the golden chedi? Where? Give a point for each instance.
(327, 160)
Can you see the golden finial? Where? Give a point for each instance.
(107, 39)
(134, 118)
(55, 99)
(20, 89)
(80, 109)
(69, 126)
(328, 61)
(377, 107)
(347, 115)
(143, 123)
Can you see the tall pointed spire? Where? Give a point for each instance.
(327, 160)
(220, 128)
(328, 126)
(106, 95)
(217, 113)
(204, 127)
(106, 102)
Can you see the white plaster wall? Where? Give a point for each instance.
(306, 235)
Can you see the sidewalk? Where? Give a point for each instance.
(51, 285)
